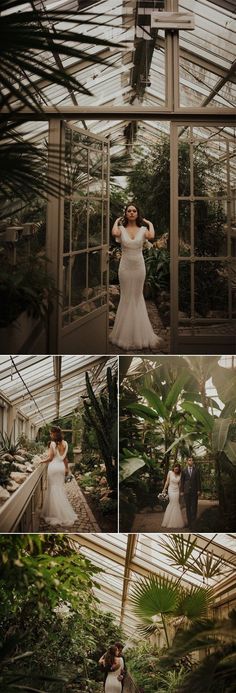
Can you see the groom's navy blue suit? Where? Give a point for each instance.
(190, 486)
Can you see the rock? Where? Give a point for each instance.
(112, 317)
(22, 451)
(19, 458)
(102, 481)
(8, 457)
(19, 467)
(12, 486)
(29, 467)
(4, 495)
(87, 293)
(103, 493)
(18, 477)
(114, 291)
(36, 460)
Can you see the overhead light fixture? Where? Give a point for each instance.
(172, 21)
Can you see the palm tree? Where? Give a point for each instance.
(216, 671)
(159, 601)
(27, 37)
(33, 43)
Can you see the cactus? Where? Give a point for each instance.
(101, 414)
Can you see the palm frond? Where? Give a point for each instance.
(178, 548)
(155, 595)
(27, 36)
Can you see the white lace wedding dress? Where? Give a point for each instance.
(112, 685)
(132, 328)
(57, 510)
(173, 516)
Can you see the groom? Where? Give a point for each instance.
(190, 486)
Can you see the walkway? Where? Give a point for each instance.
(86, 521)
(149, 520)
(158, 328)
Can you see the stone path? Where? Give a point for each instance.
(149, 520)
(86, 521)
(158, 328)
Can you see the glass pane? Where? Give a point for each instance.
(94, 272)
(95, 223)
(184, 290)
(79, 224)
(79, 292)
(211, 289)
(66, 282)
(184, 227)
(210, 228)
(67, 224)
(96, 173)
(184, 167)
(210, 165)
(87, 307)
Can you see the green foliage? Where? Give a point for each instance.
(143, 663)
(27, 286)
(52, 631)
(149, 182)
(101, 415)
(27, 33)
(8, 444)
(217, 669)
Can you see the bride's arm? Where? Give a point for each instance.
(167, 483)
(50, 456)
(149, 233)
(116, 231)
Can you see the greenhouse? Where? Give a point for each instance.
(177, 412)
(102, 103)
(78, 394)
(169, 602)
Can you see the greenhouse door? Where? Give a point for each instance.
(82, 229)
(203, 238)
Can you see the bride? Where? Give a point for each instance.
(173, 516)
(114, 668)
(57, 510)
(132, 328)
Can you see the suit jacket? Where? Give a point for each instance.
(190, 484)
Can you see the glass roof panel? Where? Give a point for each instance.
(121, 566)
(31, 382)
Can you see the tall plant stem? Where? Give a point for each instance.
(165, 630)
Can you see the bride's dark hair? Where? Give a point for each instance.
(110, 657)
(57, 433)
(139, 220)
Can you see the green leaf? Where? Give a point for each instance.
(230, 451)
(200, 414)
(224, 380)
(155, 595)
(130, 466)
(195, 603)
(142, 411)
(229, 409)
(178, 440)
(220, 433)
(176, 388)
(154, 401)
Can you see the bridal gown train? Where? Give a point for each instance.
(57, 510)
(173, 516)
(132, 328)
(112, 685)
